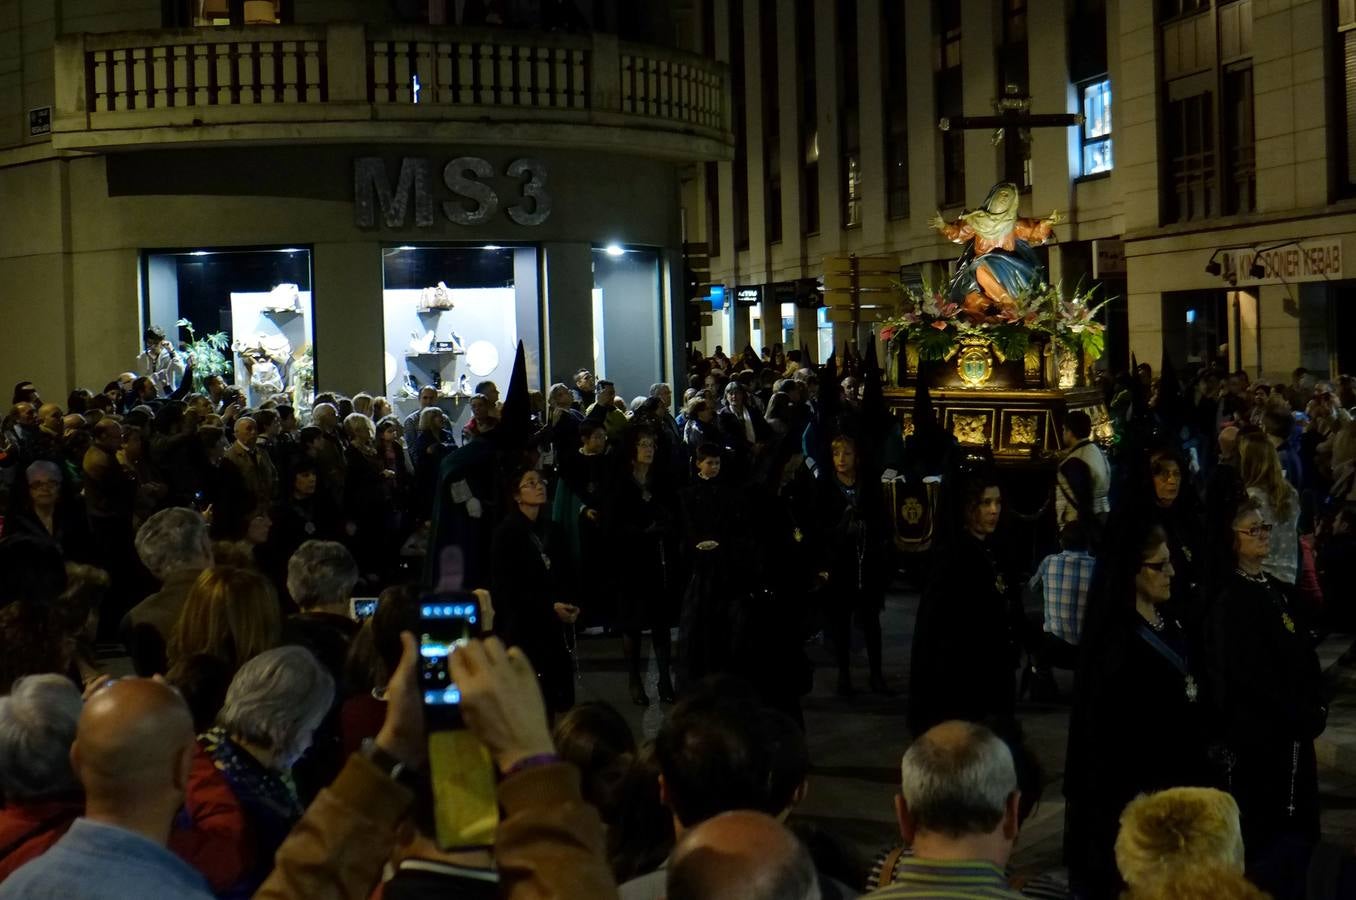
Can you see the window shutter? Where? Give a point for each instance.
(1349, 72)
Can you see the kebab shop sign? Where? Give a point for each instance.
(1303, 261)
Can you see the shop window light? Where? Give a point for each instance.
(1096, 131)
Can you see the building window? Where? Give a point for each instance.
(948, 85)
(772, 121)
(1191, 158)
(1240, 183)
(1013, 75)
(1087, 41)
(896, 110)
(258, 300)
(739, 85)
(199, 13)
(849, 118)
(1171, 9)
(1096, 98)
(1346, 75)
(809, 117)
(628, 320)
(466, 308)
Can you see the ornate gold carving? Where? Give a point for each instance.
(1022, 430)
(910, 358)
(971, 429)
(1031, 363)
(911, 511)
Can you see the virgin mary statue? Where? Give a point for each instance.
(998, 266)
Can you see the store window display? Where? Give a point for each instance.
(255, 305)
(453, 317)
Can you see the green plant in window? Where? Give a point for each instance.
(206, 353)
(303, 377)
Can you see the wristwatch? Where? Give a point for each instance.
(391, 767)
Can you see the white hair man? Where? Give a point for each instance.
(133, 751)
(321, 576)
(958, 811)
(40, 792)
(174, 544)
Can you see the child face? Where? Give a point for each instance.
(708, 467)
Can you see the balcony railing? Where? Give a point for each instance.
(370, 82)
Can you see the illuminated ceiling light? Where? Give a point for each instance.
(492, 247)
(614, 250)
(200, 253)
(406, 247)
(290, 250)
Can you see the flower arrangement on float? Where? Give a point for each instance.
(933, 324)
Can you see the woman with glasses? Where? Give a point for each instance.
(1139, 706)
(47, 511)
(1268, 688)
(532, 588)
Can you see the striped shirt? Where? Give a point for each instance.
(935, 879)
(1063, 580)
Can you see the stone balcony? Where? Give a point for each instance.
(379, 84)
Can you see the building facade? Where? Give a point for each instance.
(381, 195)
(1208, 190)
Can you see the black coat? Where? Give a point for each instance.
(964, 643)
(529, 577)
(713, 510)
(852, 536)
(1268, 687)
(642, 526)
(1133, 730)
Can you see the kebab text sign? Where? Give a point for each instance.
(1303, 261)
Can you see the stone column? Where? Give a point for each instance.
(347, 317)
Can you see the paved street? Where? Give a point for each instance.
(855, 746)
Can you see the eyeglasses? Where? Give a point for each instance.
(1258, 530)
(1169, 474)
(533, 483)
(1158, 566)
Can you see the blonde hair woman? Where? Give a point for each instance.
(1259, 467)
(231, 614)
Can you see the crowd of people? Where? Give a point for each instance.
(272, 743)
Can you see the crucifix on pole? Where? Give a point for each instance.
(1012, 121)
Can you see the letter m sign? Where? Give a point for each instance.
(372, 191)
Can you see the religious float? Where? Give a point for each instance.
(1004, 353)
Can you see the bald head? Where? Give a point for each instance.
(741, 855)
(49, 417)
(133, 745)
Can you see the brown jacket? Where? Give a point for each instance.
(550, 845)
(256, 471)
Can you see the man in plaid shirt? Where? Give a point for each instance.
(1062, 580)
